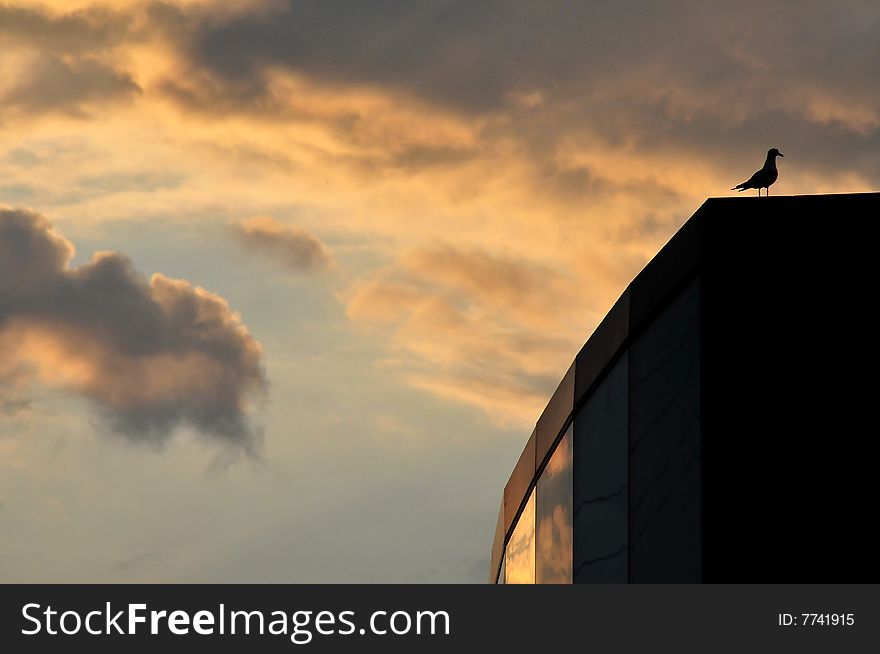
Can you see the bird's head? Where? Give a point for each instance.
(774, 153)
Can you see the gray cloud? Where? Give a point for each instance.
(151, 355)
(136, 563)
(52, 84)
(66, 64)
(683, 77)
(392, 42)
(294, 248)
(474, 54)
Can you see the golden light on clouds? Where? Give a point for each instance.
(505, 199)
(421, 210)
(485, 329)
(554, 537)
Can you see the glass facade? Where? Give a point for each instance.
(554, 517)
(699, 406)
(619, 500)
(519, 558)
(664, 445)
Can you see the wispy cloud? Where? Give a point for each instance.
(400, 125)
(486, 329)
(48, 83)
(485, 202)
(292, 247)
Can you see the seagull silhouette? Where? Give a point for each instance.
(764, 177)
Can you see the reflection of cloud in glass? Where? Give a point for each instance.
(560, 462)
(520, 557)
(554, 543)
(554, 517)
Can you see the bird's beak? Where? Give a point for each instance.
(781, 155)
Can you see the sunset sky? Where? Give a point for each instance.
(284, 285)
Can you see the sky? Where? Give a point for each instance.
(284, 285)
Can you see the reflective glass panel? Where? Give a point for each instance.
(519, 558)
(553, 517)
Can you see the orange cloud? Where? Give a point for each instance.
(554, 546)
(482, 328)
(519, 561)
(550, 175)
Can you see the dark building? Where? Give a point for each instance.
(719, 424)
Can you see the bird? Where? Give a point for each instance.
(764, 177)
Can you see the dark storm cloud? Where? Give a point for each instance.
(151, 355)
(293, 248)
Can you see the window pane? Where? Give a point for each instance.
(665, 446)
(519, 561)
(600, 484)
(553, 507)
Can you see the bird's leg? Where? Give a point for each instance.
(768, 191)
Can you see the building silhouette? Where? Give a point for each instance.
(719, 424)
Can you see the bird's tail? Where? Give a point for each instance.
(739, 187)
